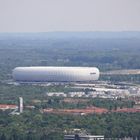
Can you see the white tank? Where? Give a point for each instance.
(55, 74)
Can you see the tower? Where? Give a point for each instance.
(20, 106)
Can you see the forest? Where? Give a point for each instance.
(36, 126)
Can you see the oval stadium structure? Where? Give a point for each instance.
(55, 74)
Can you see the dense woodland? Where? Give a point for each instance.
(107, 51)
(32, 125)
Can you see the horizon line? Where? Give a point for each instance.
(73, 31)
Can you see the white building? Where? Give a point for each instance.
(55, 74)
(57, 94)
(76, 94)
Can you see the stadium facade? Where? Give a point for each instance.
(55, 74)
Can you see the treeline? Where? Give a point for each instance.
(58, 102)
(112, 104)
(120, 78)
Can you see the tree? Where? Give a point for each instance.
(3, 137)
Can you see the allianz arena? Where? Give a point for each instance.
(55, 74)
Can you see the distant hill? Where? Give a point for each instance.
(72, 35)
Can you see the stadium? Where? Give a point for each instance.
(55, 74)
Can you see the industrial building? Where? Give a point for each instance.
(55, 74)
(83, 137)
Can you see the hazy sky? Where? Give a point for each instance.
(69, 15)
